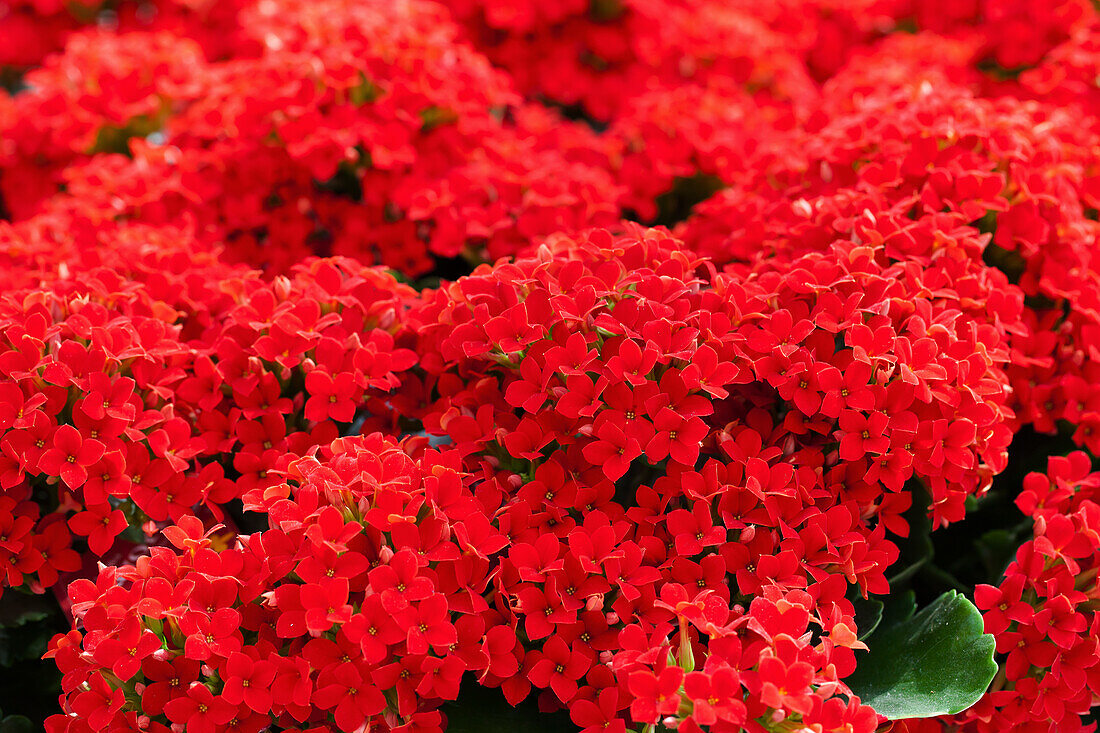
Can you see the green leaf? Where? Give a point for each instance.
(15, 724)
(27, 622)
(937, 662)
(868, 615)
(17, 609)
(897, 608)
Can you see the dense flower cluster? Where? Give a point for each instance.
(1055, 671)
(383, 578)
(113, 417)
(914, 168)
(636, 433)
(1044, 612)
(605, 352)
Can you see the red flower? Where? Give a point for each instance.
(108, 399)
(99, 702)
(613, 449)
(785, 687)
(694, 531)
(354, 697)
(174, 443)
(248, 681)
(124, 653)
(200, 711)
(70, 456)
(325, 603)
(655, 695)
(429, 625)
(398, 582)
(950, 441)
(862, 434)
(209, 635)
(293, 685)
(631, 362)
(849, 388)
(374, 629)
(500, 645)
(558, 666)
(530, 391)
(54, 544)
(581, 396)
(676, 436)
(330, 396)
(599, 715)
(166, 680)
(15, 409)
(100, 524)
(715, 695)
(15, 529)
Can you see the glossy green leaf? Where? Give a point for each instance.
(936, 662)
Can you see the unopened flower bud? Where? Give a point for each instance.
(282, 287)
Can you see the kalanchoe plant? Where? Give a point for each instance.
(630, 365)
(617, 514)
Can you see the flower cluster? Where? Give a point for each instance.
(383, 579)
(914, 168)
(635, 433)
(363, 600)
(599, 55)
(31, 30)
(113, 416)
(1044, 612)
(399, 135)
(608, 353)
(611, 350)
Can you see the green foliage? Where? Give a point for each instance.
(934, 662)
(24, 626)
(868, 615)
(28, 684)
(15, 724)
